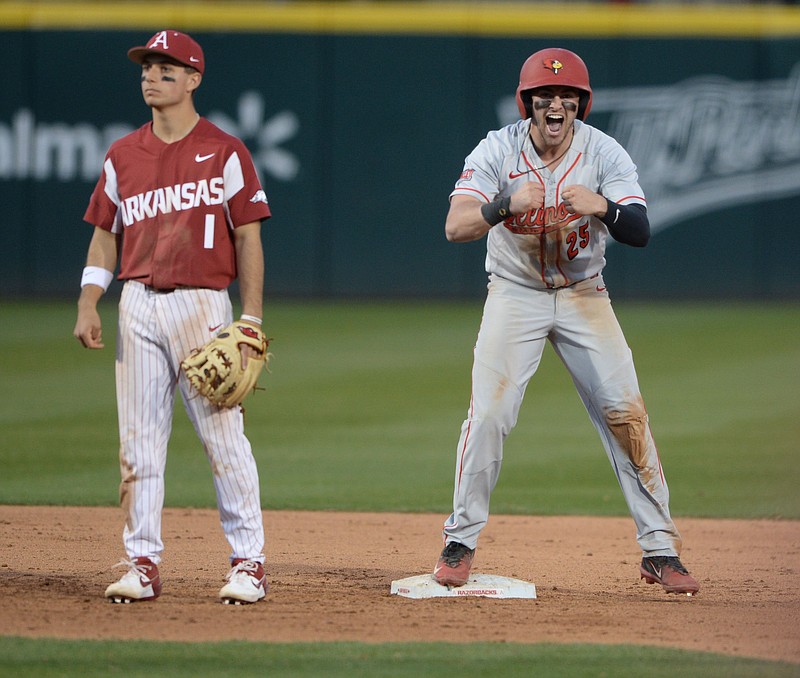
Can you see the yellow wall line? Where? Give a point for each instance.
(438, 18)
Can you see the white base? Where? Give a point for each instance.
(482, 585)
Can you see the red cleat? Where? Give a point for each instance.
(453, 566)
(670, 573)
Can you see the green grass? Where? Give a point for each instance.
(364, 403)
(353, 660)
(362, 412)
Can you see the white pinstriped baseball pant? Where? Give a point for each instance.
(156, 331)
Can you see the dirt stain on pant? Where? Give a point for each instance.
(630, 428)
(128, 475)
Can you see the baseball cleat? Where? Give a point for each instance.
(247, 583)
(454, 564)
(670, 573)
(141, 582)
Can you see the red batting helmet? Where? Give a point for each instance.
(554, 66)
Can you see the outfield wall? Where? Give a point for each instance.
(359, 118)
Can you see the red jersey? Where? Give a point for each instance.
(177, 205)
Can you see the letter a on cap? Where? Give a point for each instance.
(160, 39)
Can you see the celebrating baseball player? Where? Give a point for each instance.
(181, 202)
(549, 190)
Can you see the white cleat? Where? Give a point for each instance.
(247, 583)
(141, 582)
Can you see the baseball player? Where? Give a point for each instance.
(548, 191)
(180, 201)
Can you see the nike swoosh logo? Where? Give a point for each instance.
(516, 175)
(616, 216)
(600, 289)
(203, 158)
(194, 61)
(215, 328)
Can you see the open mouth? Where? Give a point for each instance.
(554, 122)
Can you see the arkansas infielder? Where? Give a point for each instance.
(549, 190)
(183, 199)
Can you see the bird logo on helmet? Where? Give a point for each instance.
(554, 66)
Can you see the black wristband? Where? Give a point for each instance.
(496, 211)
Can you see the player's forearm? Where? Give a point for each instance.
(250, 266)
(251, 291)
(90, 295)
(465, 222)
(101, 261)
(627, 224)
(103, 250)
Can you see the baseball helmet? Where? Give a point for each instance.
(554, 66)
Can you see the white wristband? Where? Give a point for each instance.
(251, 319)
(94, 275)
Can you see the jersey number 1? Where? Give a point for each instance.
(208, 235)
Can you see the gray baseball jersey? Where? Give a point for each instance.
(520, 249)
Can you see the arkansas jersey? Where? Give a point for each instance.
(549, 247)
(176, 205)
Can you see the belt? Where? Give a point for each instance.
(167, 290)
(164, 290)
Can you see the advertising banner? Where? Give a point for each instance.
(359, 138)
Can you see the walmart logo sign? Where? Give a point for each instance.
(59, 151)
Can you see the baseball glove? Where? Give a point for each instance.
(215, 370)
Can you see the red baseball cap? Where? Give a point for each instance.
(174, 44)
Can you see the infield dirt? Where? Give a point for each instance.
(330, 575)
